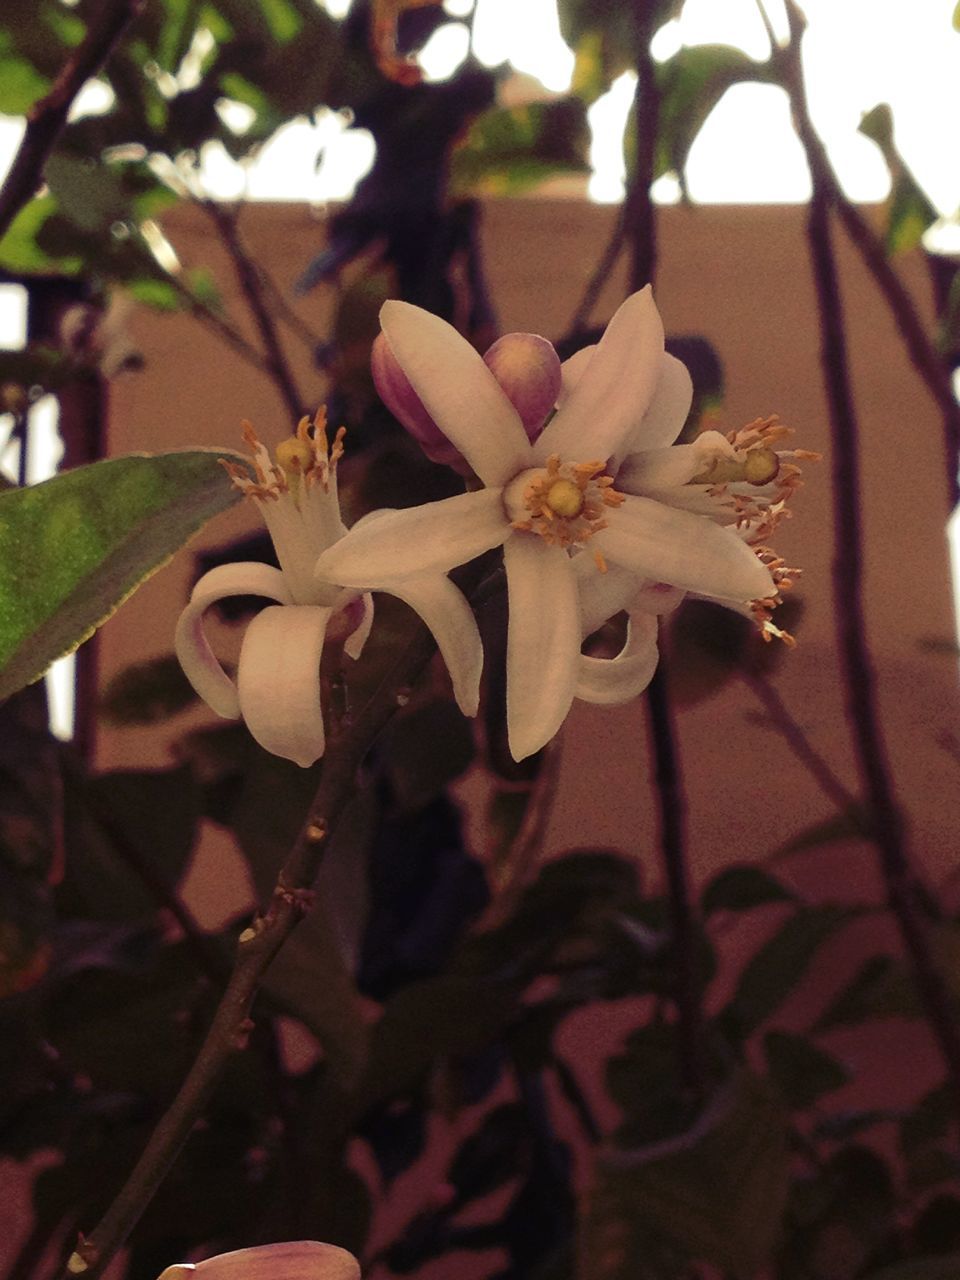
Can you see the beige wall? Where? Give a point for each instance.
(739, 277)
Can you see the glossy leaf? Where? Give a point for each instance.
(73, 548)
(508, 150)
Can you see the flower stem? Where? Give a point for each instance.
(256, 949)
(641, 229)
(906, 895)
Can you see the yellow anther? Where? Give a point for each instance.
(564, 498)
(760, 466)
(294, 456)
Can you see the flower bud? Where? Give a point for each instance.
(528, 370)
(397, 393)
(293, 1260)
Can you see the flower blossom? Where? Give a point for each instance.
(277, 690)
(291, 1260)
(578, 545)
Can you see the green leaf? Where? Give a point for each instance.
(881, 988)
(743, 888)
(780, 964)
(508, 150)
(20, 250)
(147, 693)
(21, 85)
(73, 548)
(691, 84)
(717, 1197)
(425, 750)
(909, 211)
(801, 1071)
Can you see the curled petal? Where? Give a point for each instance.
(543, 641)
(200, 666)
(616, 388)
(601, 595)
(613, 680)
(278, 680)
(432, 538)
(444, 609)
(353, 645)
(291, 1260)
(458, 391)
(661, 544)
(528, 370)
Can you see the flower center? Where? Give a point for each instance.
(564, 503)
(299, 462)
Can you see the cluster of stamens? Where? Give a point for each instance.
(783, 579)
(306, 458)
(566, 503)
(757, 483)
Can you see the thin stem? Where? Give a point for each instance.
(251, 286)
(641, 229)
(786, 725)
(46, 118)
(257, 947)
(920, 348)
(601, 273)
(905, 894)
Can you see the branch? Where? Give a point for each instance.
(257, 946)
(248, 278)
(47, 117)
(921, 350)
(905, 893)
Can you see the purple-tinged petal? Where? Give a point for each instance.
(528, 369)
(543, 641)
(200, 666)
(661, 544)
(615, 390)
(397, 393)
(610, 681)
(278, 680)
(353, 645)
(431, 538)
(458, 391)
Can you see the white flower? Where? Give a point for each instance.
(291, 1260)
(576, 550)
(277, 690)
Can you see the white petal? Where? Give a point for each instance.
(459, 391)
(601, 595)
(353, 645)
(291, 1260)
(613, 680)
(192, 647)
(654, 470)
(617, 385)
(278, 679)
(572, 370)
(662, 544)
(426, 539)
(543, 641)
(445, 611)
(669, 408)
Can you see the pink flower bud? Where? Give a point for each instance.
(293, 1260)
(397, 393)
(528, 370)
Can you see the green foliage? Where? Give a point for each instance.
(73, 548)
(509, 150)
(909, 210)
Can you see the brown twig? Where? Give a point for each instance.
(47, 117)
(257, 947)
(225, 221)
(905, 893)
(641, 229)
(601, 273)
(920, 348)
